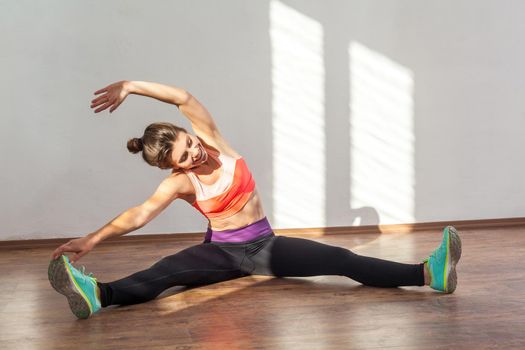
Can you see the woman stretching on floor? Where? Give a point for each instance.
(211, 176)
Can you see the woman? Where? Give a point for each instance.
(211, 176)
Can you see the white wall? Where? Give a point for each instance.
(66, 171)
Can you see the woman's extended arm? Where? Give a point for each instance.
(122, 224)
(130, 220)
(126, 222)
(113, 95)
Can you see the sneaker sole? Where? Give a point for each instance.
(62, 282)
(454, 256)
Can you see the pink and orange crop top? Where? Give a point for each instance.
(228, 194)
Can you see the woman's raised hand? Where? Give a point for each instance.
(80, 246)
(111, 96)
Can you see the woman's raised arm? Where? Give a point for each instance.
(113, 95)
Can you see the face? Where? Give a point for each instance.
(188, 152)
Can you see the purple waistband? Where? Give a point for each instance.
(243, 234)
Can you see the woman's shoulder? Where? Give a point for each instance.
(180, 180)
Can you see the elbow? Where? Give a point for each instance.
(140, 223)
(140, 218)
(182, 98)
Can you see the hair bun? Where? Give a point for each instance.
(135, 145)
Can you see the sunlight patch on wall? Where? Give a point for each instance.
(382, 136)
(298, 125)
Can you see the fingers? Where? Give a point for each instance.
(57, 253)
(100, 98)
(105, 101)
(101, 90)
(77, 256)
(99, 102)
(60, 250)
(115, 106)
(94, 105)
(104, 106)
(110, 96)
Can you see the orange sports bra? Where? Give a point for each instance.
(228, 194)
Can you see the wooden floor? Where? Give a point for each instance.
(258, 312)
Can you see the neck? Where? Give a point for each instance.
(212, 163)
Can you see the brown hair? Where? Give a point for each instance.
(156, 144)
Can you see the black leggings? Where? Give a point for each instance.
(270, 255)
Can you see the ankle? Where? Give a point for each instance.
(426, 274)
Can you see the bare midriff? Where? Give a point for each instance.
(250, 213)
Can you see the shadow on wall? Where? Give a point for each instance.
(365, 216)
(358, 169)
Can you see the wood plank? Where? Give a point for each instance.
(261, 312)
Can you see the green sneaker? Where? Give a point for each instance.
(442, 263)
(80, 289)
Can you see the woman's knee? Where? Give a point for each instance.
(302, 257)
(161, 265)
(340, 258)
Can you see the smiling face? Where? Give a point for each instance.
(187, 152)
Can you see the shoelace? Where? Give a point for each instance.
(84, 272)
(438, 254)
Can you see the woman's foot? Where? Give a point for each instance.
(441, 265)
(81, 290)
